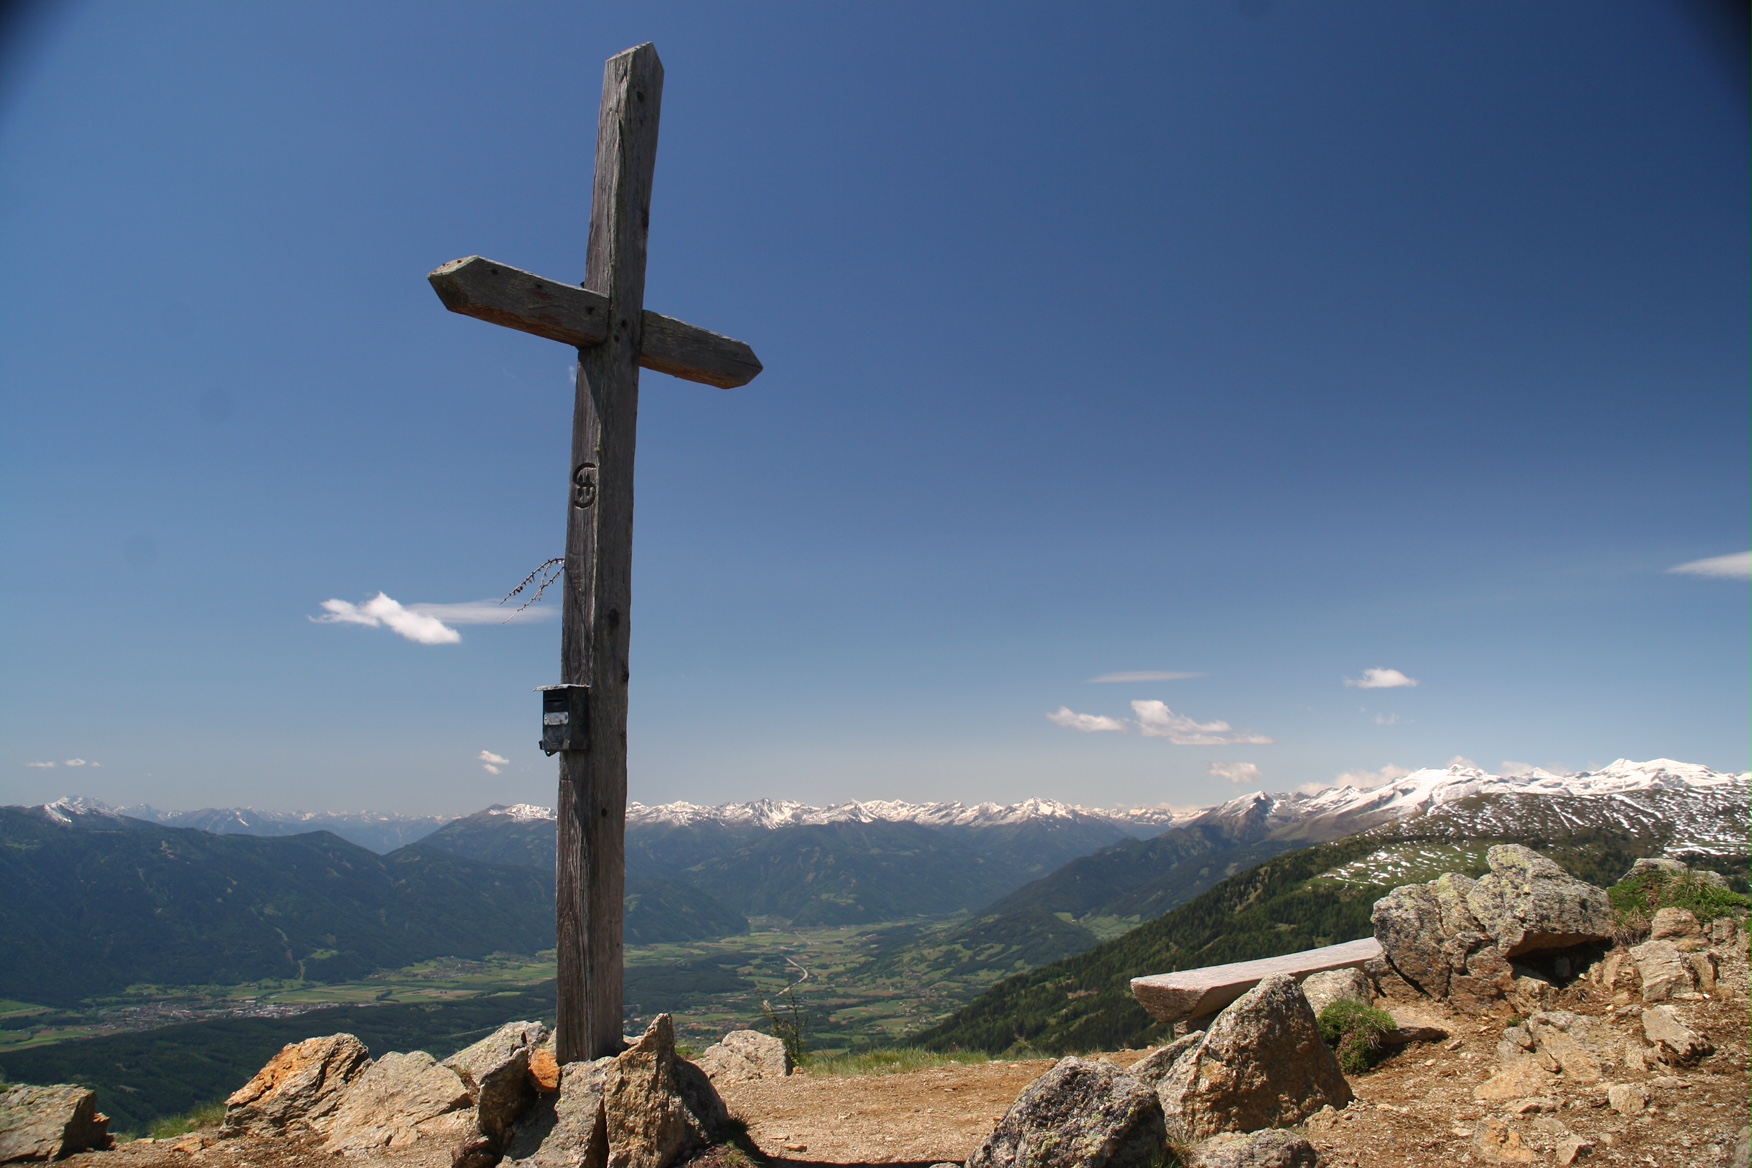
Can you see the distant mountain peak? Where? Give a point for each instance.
(63, 810)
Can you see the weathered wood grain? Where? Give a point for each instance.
(596, 620)
(501, 294)
(504, 295)
(1193, 993)
(691, 353)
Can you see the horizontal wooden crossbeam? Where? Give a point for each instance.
(504, 295)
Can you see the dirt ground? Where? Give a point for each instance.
(1416, 1110)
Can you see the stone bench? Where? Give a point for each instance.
(1194, 993)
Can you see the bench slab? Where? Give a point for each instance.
(1193, 993)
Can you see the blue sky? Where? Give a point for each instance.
(1268, 344)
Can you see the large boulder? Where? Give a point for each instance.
(49, 1123)
(496, 1072)
(1080, 1114)
(1527, 903)
(1455, 937)
(301, 1085)
(746, 1054)
(1262, 1064)
(399, 1099)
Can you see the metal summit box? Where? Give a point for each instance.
(565, 718)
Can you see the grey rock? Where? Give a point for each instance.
(1262, 1064)
(1408, 923)
(1664, 970)
(1528, 903)
(1741, 1155)
(391, 1104)
(1080, 1114)
(1159, 1063)
(299, 1086)
(746, 1054)
(1677, 1043)
(49, 1123)
(1674, 922)
(1336, 985)
(1655, 864)
(1272, 1148)
(569, 1130)
(1627, 1098)
(496, 1073)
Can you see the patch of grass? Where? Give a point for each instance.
(1636, 901)
(1355, 1032)
(206, 1115)
(890, 1061)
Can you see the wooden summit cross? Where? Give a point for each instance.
(607, 321)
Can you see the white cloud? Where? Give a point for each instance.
(1142, 675)
(78, 762)
(1235, 772)
(1156, 720)
(381, 610)
(427, 624)
(1087, 723)
(1735, 567)
(1380, 679)
(1386, 719)
(491, 762)
(43, 765)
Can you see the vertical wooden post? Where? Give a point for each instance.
(591, 874)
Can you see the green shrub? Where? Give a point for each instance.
(206, 1115)
(1355, 1033)
(1635, 901)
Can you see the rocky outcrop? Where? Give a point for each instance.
(399, 1099)
(1261, 1065)
(1527, 903)
(49, 1123)
(648, 1124)
(1455, 937)
(302, 1084)
(568, 1129)
(744, 1055)
(495, 1071)
(1261, 1149)
(1080, 1114)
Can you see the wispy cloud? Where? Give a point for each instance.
(492, 763)
(79, 762)
(1142, 675)
(1381, 679)
(425, 624)
(1386, 719)
(43, 765)
(1735, 567)
(1235, 772)
(1156, 720)
(1087, 723)
(1361, 779)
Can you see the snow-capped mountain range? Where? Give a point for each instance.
(1326, 814)
(774, 813)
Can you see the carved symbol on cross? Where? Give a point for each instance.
(584, 485)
